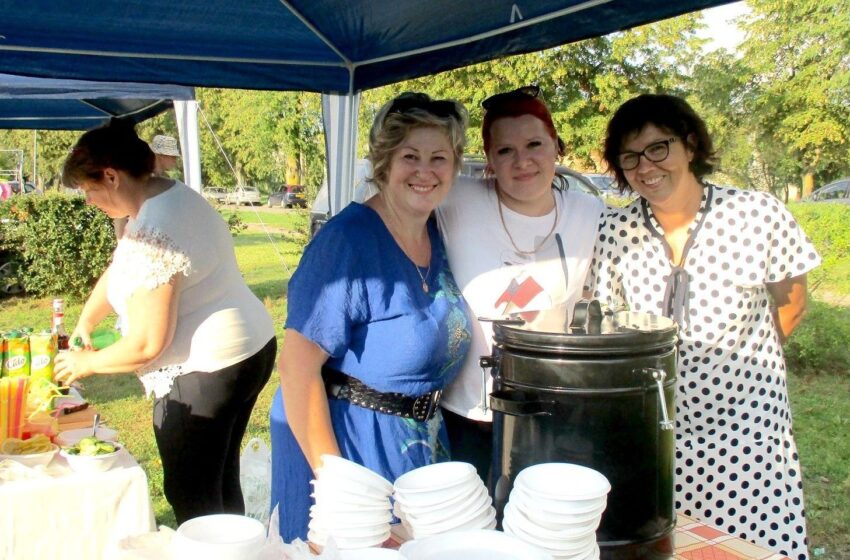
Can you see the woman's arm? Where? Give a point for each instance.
(151, 319)
(789, 297)
(303, 391)
(96, 308)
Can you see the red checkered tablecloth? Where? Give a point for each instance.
(696, 541)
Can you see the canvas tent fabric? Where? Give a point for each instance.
(59, 104)
(336, 47)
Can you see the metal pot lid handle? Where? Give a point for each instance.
(587, 317)
(506, 402)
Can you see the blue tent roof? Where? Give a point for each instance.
(330, 46)
(42, 103)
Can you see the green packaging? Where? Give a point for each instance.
(2, 354)
(42, 352)
(17, 360)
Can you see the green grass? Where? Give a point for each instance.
(819, 400)
(289, 219)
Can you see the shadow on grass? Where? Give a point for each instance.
(109, 388)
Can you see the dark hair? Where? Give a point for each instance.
(114, 145)
(664, 111)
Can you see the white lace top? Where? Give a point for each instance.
(219, 320)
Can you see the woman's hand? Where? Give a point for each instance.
(70, 366)
(83, 335)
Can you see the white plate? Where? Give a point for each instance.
(337, 466)
(434, 477)
(33, 459)
(562, 481)
(471, 545)
(370, 554)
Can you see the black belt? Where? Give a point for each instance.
(344, 387)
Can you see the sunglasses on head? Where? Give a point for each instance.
(525, 92)
(407, 102)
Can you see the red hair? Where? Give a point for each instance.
(518, 107)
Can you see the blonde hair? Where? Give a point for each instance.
(393, 124)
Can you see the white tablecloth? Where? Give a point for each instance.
(74, 515)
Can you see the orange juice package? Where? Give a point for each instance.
(13, 397)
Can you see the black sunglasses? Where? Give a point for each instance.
(525, 92)
(407, 102)
(655, 152)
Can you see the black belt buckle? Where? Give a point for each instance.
(425, 406)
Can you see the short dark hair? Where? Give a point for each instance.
(664, 111)
(114, 145)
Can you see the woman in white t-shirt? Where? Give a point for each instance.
(518, 243)
(193, 331)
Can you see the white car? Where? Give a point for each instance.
(215, 194)
(248, 196)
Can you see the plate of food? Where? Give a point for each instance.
(33, 452)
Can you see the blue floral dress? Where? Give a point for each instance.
(359, 297)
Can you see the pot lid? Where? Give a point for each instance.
(586, 328)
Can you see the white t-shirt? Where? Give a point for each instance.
(220, 322)
(496, 280)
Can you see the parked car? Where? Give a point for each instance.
(214, 194)
(248, 196)
(289, 196)
(837, 191)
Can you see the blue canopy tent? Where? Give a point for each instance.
(337, 47)
(59, 104)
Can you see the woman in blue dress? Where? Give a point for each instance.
(376, 325)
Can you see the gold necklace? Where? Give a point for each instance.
(510, 237)
(404, 250)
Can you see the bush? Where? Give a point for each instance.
(819, 344)
(828, 226)
(62, 244)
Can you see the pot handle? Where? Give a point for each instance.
(513, 403)
(659, 375)
(587, 317)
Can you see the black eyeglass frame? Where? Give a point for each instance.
(637, 155)
(524, 92)
(437, 107)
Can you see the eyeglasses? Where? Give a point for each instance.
(525, 92)
(408, 101)
(655, 152)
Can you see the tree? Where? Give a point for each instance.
(800, 55)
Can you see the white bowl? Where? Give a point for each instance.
(481, 520)
(471, 545)
(435, 477)
(349, 491)
(34, 459)
(92, 463)
(219, 537)
(370, 554)
(578, 510)
(73, 437)
(459, 511)
(519, 520)
(347, 531)
(329, 516)
(344, 543)
(559, 546)
(333, 466)
(562, 481)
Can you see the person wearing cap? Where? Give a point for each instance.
(166, 150)
(518, 242)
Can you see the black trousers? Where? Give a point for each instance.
(199, 427)
(471, 441)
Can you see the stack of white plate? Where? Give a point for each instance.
(442, 498)
(558, 507)
(352, 505)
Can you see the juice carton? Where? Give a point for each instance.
(2, 354)
(17, 360)
(43, 348)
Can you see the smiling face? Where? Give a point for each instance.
(421, 173)
(522, 155)
(663, 181)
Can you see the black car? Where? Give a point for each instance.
(289, 196)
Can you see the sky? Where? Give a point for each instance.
(719, 31)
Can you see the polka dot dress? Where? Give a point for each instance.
(736, 460)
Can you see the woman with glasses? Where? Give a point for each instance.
(729, 266)
(376, 326)
(518, 243)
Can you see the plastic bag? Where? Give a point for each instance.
(255, 477)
